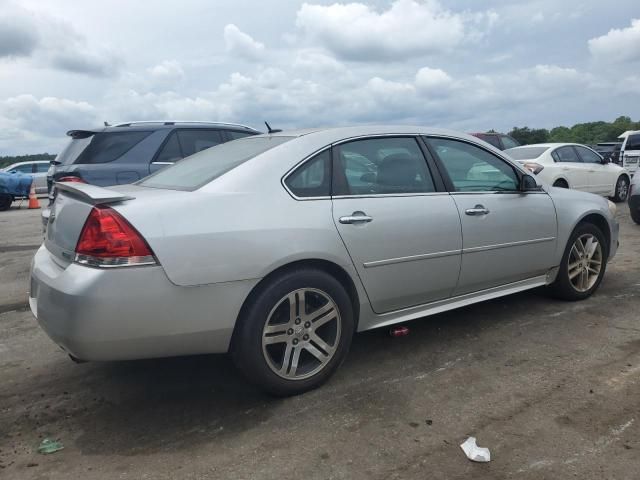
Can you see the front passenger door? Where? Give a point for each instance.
(571, 167)
(599, 177)
(508, 235)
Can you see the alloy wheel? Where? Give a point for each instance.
(622, 189)
(585, 262)
(301, 334)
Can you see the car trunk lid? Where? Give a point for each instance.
(69, 213)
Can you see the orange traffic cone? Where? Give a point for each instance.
(33, 200)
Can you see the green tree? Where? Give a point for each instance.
(526, 135)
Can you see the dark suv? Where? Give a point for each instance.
(127, 152)
(499, 140)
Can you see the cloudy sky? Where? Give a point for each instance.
(462, 64)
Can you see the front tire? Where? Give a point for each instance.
(294, 332)
(622, 189)
(5, 202)
(583, 264)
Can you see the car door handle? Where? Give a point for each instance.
(477, 210)
(355, 217)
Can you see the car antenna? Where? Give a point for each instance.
(272, 130)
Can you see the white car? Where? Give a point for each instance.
(570, 165)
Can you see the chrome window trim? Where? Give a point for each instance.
(378, 195)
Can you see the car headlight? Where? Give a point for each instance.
(612, 208)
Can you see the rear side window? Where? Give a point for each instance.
(105, 147)
(509, 142)
(313, 178)
(198, 170)
(491, 139)
(194, 141)
(382, 166)
(526, 153)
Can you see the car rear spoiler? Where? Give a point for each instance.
(91, 193)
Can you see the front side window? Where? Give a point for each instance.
(194, 141)
(27, 168)
(42, 167)
(379, 166)
(565, 154)
(589, 156)
(313, 178)
(472, 169)
(633, 142)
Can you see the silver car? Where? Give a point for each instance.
(277, 248)
(36, 168)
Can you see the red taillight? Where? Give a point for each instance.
(533, 167)
(71, 178)
(108, 240)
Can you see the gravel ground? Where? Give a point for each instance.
(552, 388)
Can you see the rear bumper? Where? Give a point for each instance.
(131, 313)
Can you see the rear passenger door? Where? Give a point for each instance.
(402, 230)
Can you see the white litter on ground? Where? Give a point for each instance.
(474, 452)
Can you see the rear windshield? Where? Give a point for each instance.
(199, 169)
(525, 153)
(101, 147)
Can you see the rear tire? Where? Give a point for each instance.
(561, 184)
(634, 208)
(294, 332)
(5, 202)
(583, 264)
(622, 189)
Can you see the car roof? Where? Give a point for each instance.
(334, 134)
(24, 162)
(550, 145)
(162, 125)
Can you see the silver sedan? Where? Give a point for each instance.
(278, 248)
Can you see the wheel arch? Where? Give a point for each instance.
(332, 268)
(601, 222)
(561, 178)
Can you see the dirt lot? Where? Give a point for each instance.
(552, 388)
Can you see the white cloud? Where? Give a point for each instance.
(356, 31)
(619, 45)
(52, 42)
(167, 73)
(239, 43)
(433, 80)
(39, 124)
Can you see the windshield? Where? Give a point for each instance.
(197, 170)
(525, 153)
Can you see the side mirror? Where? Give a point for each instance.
(604, 161)
(528, 184)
